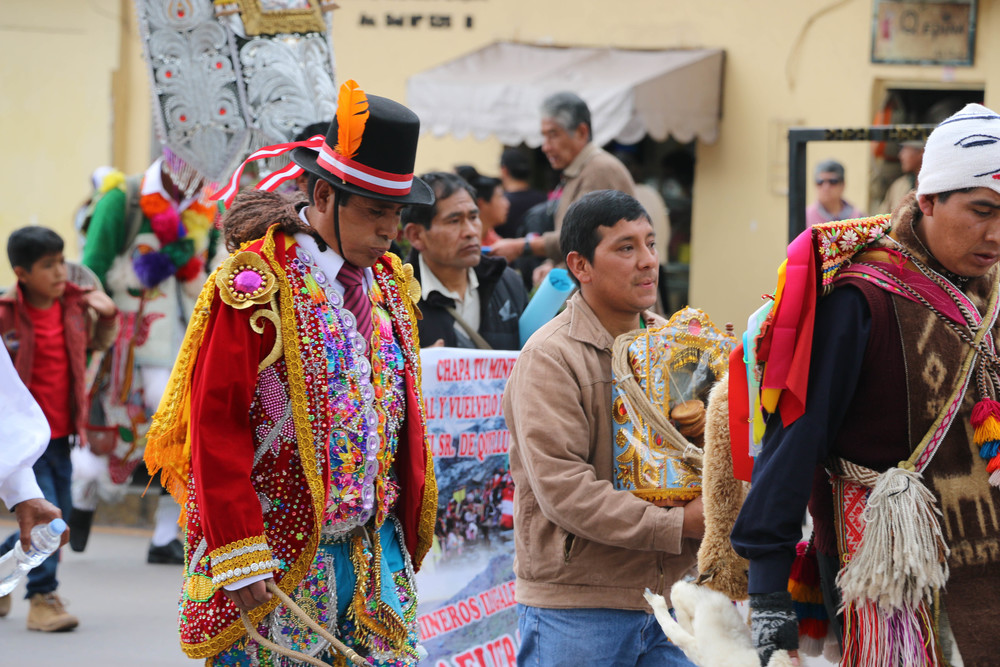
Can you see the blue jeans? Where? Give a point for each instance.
(53, 471)
(573, 637)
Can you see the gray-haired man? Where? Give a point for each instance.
(567, 141)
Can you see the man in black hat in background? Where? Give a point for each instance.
(308, 465)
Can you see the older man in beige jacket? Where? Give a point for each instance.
(567, 141)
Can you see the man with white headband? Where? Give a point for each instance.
(887, 422)
(292, 430)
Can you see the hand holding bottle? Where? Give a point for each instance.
(35, 512)
(15, 564)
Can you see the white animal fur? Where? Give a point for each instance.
(708, 628)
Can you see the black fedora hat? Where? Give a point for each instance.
(382, 167)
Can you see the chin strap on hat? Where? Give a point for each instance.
(336, 221)
(320, 242)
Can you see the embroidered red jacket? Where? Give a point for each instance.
(239, 459)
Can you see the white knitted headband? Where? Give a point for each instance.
(962, 152)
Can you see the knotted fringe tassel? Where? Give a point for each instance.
(879, 637)
(986, 421)
(902, 558)
(807, 597)
(893, 575)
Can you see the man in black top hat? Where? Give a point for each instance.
(309, 468)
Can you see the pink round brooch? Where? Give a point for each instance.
(245, 280)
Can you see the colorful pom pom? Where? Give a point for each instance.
(111, 181)
(165, 225)
(807, 594)
(152, 268)
(180, 252)
(191, 270)
(986, 421)
(989, 449)
(153, 203)
(983, 410)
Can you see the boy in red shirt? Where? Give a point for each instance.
(48, 325)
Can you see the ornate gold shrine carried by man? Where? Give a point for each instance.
(662, 377)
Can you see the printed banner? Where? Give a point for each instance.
(466, 585)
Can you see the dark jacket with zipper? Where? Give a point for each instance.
(502, 299)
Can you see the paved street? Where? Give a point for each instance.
(127, 609)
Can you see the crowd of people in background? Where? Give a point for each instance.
(151, 239)
(476, 245)
(477, 515)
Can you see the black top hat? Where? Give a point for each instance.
(382, 168)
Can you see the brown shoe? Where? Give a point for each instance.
(4, 605)
(47, 614)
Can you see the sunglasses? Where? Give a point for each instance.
(830, 181)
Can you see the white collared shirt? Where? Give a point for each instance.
(329, 261)
(467, 307)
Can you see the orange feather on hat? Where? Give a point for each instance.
(352, 114)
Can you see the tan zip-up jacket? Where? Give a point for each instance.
(579, 542)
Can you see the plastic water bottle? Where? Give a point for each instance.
(15, 563)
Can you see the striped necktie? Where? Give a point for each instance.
(356, 298)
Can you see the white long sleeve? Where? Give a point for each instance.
(26, 434)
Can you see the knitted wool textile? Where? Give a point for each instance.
(962, 152)
(957, 475)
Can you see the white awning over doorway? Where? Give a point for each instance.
(498, 90)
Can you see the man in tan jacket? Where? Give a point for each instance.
(567, 141)
(584, 551)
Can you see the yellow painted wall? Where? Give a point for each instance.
(787, 61)
(54, 90)
(804, 62)
(58, 62)
(814, 71)
(132, 143)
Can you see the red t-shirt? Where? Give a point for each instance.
(50, 384)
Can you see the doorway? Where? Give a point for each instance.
(903, 105)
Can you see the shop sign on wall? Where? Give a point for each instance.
(911, 31)
(401, 18)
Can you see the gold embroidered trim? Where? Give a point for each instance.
(272, 317)
(428, 509)
(199, 588)
(376, 619)
(413, 289)
(237, 548)
(411, 283)
(428, 505)
(258, 21)
(240, 559)
(168, 443)
(300, 414)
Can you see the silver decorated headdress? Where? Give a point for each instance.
(231, 76)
